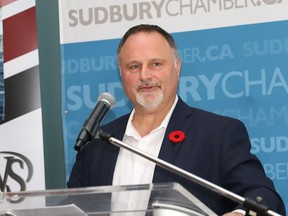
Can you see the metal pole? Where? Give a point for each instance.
(251, 205)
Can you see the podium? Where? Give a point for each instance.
(156, 199)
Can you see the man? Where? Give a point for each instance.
(211, 146)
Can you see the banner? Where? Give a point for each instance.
(234, 62)
(21, 139)
(2, 95)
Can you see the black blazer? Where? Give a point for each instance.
(215, 148)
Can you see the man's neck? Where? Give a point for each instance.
(145, 120)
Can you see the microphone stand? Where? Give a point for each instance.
(253, 207)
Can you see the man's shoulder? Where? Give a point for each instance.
(202, 114)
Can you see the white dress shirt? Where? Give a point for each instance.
(140, 170)
(132, 169)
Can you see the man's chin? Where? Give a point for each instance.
(149, 102)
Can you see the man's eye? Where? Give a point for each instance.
(134, 67)
(156, 65)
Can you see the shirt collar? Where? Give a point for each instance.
(131, 131)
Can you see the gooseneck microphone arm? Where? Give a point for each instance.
(253, 207)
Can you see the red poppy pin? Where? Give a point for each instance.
(176, 136)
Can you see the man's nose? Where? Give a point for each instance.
(145, 73)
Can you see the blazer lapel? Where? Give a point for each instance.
(169, 150)
(117, 129)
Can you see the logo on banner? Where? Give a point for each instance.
(157, 9)
(16, 171)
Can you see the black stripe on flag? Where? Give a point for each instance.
(22, 93)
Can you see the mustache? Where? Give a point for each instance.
(148, 83)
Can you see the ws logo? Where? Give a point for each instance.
(16, 171)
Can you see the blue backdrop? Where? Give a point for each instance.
(238, 71)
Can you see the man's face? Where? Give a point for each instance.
(149, 70)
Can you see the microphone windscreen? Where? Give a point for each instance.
(107, 98)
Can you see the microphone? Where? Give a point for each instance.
(91, 128)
